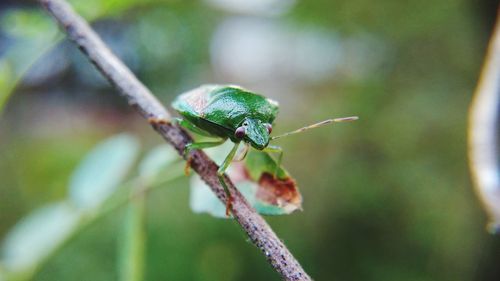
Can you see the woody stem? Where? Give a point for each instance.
(139, 97)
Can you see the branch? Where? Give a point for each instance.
(484, 117)
(139, 97)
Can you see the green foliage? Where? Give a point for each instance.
(388, 198)
(38, 235)
(6, 86)
(93, 192)
(268, 198)
(94, 9)
(258, 163)
(101, 172)
(33, 34)
(132, 246)
(155, 162)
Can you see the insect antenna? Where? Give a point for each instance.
(316, 125)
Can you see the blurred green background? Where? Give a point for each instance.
(388, 197)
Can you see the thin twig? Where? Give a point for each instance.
(484, 117)
(138, 96)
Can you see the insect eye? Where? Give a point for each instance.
(269, 128)
(239, 133)
(245, 124)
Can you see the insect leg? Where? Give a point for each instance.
(242, 154)
(197, 145)
(190, 126)
(220, 175)
(201, 145)
(276, 149)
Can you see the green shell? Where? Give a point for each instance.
(220, 109)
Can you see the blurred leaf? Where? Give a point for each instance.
(102, 170)
(2, 273)
(32, 34)
(203, 200)
(93, 9)
(201, 197)
(131, 257)
(37, 235)
(254, 179)
(28, 24)
(157, 160)
(6, 76)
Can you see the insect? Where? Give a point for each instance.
(231, 112)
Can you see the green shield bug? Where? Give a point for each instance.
(231, 112)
